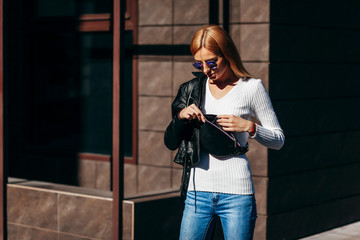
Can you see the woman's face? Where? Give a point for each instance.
(219, 74)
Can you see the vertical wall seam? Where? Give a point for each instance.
(133, 221)
(172, 77)
(58, 212)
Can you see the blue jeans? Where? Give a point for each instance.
(237, 214)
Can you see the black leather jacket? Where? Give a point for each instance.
(184, 134)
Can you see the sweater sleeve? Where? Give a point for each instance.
(269, 133)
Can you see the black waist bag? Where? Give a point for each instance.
(218, 142)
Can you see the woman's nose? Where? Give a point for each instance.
(206, 69)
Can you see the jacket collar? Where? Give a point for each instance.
(199, 75)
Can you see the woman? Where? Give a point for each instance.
(219, 185)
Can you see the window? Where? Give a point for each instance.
(64, 91)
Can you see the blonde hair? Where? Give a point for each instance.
(217, 40)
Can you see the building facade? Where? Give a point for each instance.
(86, 93)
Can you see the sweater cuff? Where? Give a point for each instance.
(256, 129)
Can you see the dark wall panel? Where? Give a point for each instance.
(296, 191)
(307, 153)
(307, 221)
(314, 116)
(334, 13)
(149, 222)
(313, 80)
(314, 85)
(293, 43)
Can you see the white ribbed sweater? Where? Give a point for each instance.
(233, 175)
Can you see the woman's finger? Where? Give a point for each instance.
(225, 124)
(192, 112)
(224, 116)
(229, 129)
(198, 114)
(233, 123)
(224, 120)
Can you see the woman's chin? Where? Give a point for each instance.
(212, 77)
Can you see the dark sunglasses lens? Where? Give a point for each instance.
(197, 65)
(211, 65)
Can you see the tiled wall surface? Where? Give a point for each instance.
(161, 23)
(94, 174)
(39, 211)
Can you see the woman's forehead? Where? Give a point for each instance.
(204, 55)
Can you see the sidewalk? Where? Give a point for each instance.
(347, 232)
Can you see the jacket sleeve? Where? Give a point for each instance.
(176, 130)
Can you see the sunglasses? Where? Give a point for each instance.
(210, 64)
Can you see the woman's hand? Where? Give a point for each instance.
(192, 112)
(233, 123)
